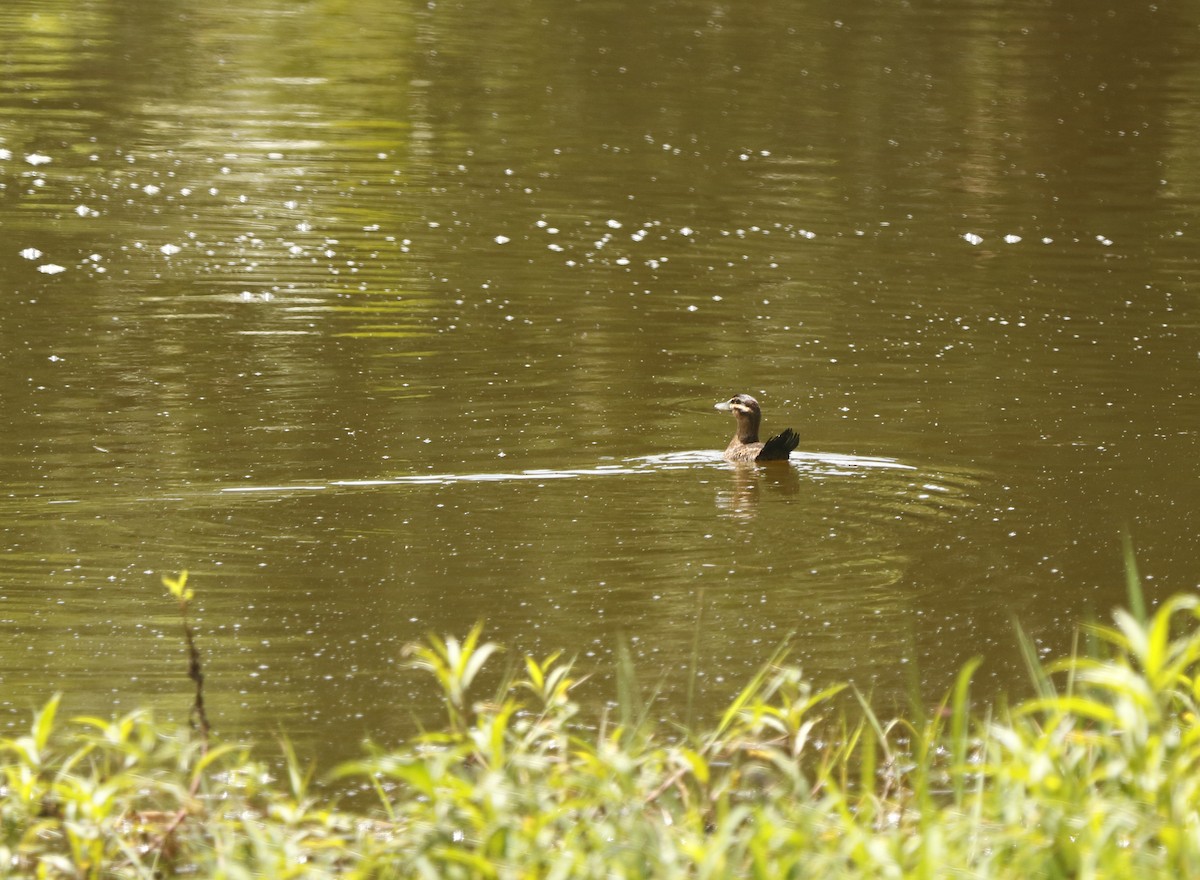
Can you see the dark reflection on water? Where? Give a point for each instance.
(387, 318)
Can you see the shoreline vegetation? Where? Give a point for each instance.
(1097, 774)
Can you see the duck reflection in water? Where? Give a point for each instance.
(749, 486)
(745, 445)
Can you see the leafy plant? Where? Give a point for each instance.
(1097, 774)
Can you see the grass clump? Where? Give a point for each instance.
(1096, 775)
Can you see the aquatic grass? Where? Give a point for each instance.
(1097, 774)
(177, 587)
(454, 664)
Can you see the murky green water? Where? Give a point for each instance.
(387, 317)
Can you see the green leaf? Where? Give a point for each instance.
(178, 587)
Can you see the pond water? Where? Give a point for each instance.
(385, 318)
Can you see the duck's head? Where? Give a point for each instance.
(746, 410)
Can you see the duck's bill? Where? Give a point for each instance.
(724, 404)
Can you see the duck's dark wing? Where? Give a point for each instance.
(779, 447)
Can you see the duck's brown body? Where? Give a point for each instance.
(745, 445)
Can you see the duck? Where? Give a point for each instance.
(745, 445)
